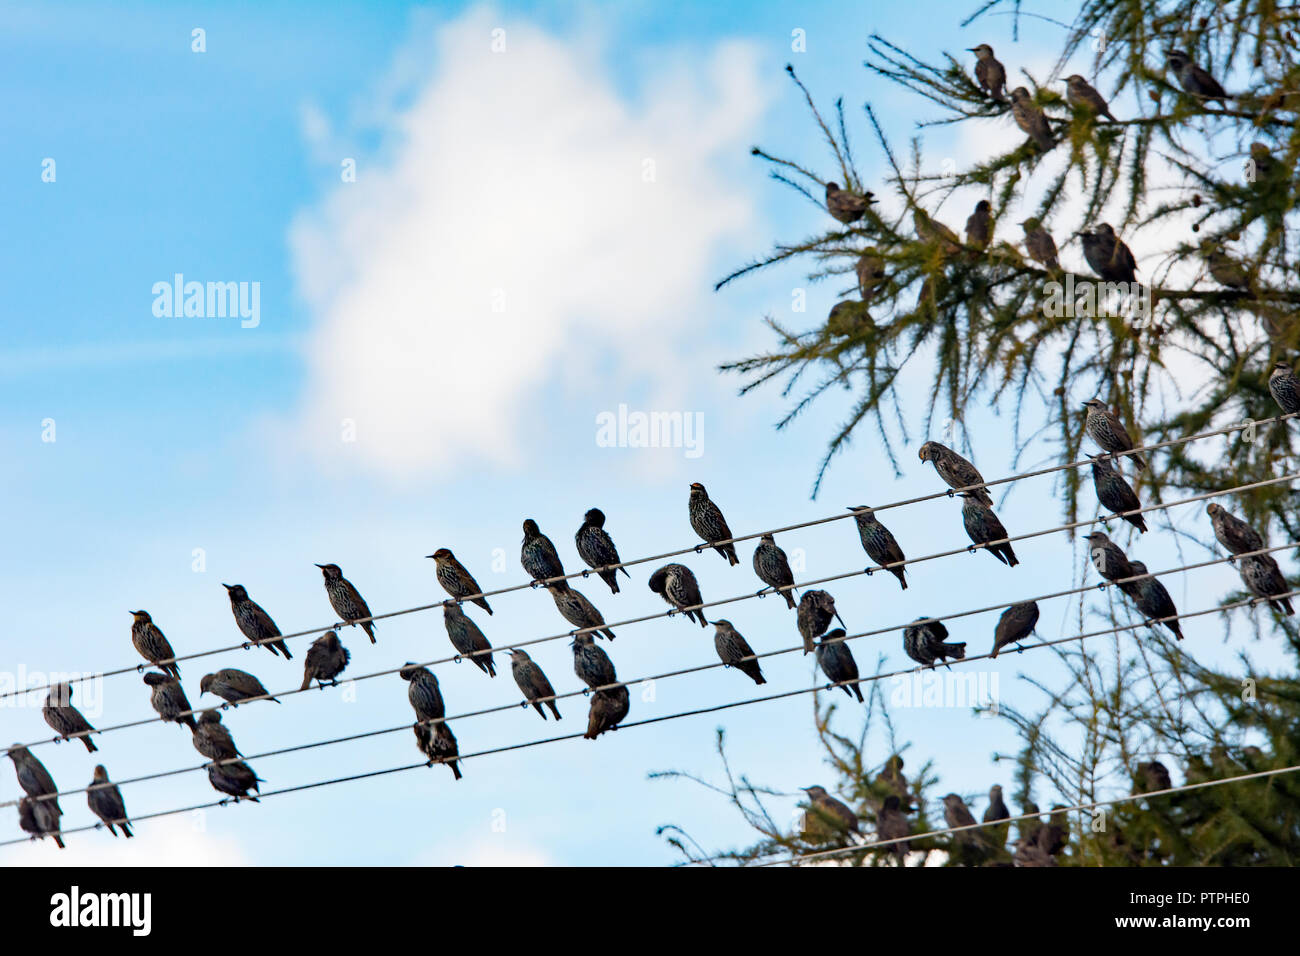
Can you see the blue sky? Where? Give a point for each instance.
(516, 178)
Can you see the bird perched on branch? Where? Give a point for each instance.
(234, 686)
(151, 643)
(871, 275)
(455, 580)
(816, 609)
(892, 779)
(837, 663)
(40, 819)
(105, 802)
(830, 811)
(676, 584)
(979, 225)
(609, 708)
(995, 811)
(1015, 625)
(1152, 599)
(990, 74)
(578, 611)
(1114, 493)
(1030, 119)
(255, 623)
(346, 600)
(845, 205)
(707, 520)
(892, 824)
(1109, 558)
(957, 814)
(1223, 269)
(532, 681)
(955, 470)
(1107, 255)
(64, 718)
(1080, 94)
(985, 529)
(1284, 387)
(929, 229)
(168, 698)
(596, 548)
(591, 663)
(32, 775)
(236, 779)
(1263, 578)
(212, 738)
(438, 744)
(1152, 776)
(326, 659)
(878, 541)
(1040, 245)
(773, 568)
(468, 640)
(423, 692)
(1233, 533)
(734, 651)
(1194, 79)
(539, 557)
(924, 642)
(1105, 428)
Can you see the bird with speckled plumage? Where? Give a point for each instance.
(926, 642)
(956, 471)
(168, 698)
(105, 802)
(66, 719)
(734, 651)
(532, 681)
(539, 558)
(1015, 625)
(773, 568)
(879, 543)
(346, 600)
(455, 580)
(149, 641)
(609, 708)
(578, 611)
(837, 663)
(234, 686)
(816, 610)
(676, 584)
(596, 548)
(1104, 427)
(985, 529)
(468, 640)
(709, 524)
(254, 623)
(326, 659)
(1114, 493)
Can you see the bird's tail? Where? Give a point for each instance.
(610, 578)
(1137, 522)
(731, 555)
(789, 599)
(190, 722)
(898, 573)
(608, 633)
(1139, 461)
(555, 710)
(538, 707)
(857, 690)
(59, 841)
(1176, 628)
(955, 650)
(1012, 561)
(90, 744)
(306, 682)
(454, 769)
(126, 830)
(369, 627)
(482, 602)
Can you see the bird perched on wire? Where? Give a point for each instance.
(1029, 854)
(438, 744)
(846, 206)
(1233, 533)
(994, 812)
(1105, 428)
(1223, 269)
(1284, 387)
(539, 557)
(32, 775)
(213, 739)
(957, 814)
(837, 663)
(979, 225)
(1152, 599)
(830, 811)
(467, 638)
(64, 718)
(234, 686)
(596, 548)
(1040, 245)
(326, 659)
(40, 819)
(985, 529)
(924, 642)
(151, 643)
(168, 698)
(1015, 625)
(1080, 94)
(734, 651)
(878, 541)
(423, 692)
(1114, 493)
(707, 520)
(609, 708)
(235, 779)
(816, 609)
(1194, 79)
(105, 802)
(956, 471)
(676, 584)
(455, 580)
(990, 74)
(532, 681)
(1263, 578)
(892, 824)
(1030, 119)
(346, 600)
(578, 611)
(591, 663)
(255, 623)
(773, 568)
(929, 229)
(1151, 776)
(871, 274)
(1107, 255)
(1107, 557)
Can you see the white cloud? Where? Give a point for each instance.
(165, 841)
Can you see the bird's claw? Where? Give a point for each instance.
(699, 549)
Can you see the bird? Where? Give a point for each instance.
(64, 718)
(1040, 245)
(1105, 428)
(1152, 599)
(816, 608)
(105, 802)
(871, 274)
(676, 584)
(1233, 533)
(168, 698)
(1114, 493)
(40, 819)
(609, 708)
(1015, 625)
(254, 622)
(924, 642)
(831, 811)
(995, 812)
(1152, 775)
(990, 74)
(849, 319)
(929, 229)
(957, 814)
(578, 611)
(532, 681)
(734, 651)
(1108, 558)
(591, 663)
(438, 744)
(235, 779)
(151, 643)
(878, 541)
(346, 600)
(837, 663)
(455, 580)
(979, 225)
(1285, 387)
(1053, 837)
(773, 568)
(596, 548)
(985, 528)
(1080, 94)
(540, 559)
(212, 738)
(846, 206)
(892, 824)
(1031, 823)
(892, 779)
(1224, 269)
(1263, 578)
(957, 473)
(1263, 163)
(234, 686)
(423, 692)
(1029, 854)
(1030, 119)
(1107, 255)
(707, 520)
(32, 775)
(326, 659)
(467, 638)
(1194, 79)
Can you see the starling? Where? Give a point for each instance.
(1108, 256)
(1015, 625)
(591, 663)
(1105, 428)
(32, 775)
(596, 548)
(1053, 837)
(168, 698)
(734, 651)
(40, 819)
(979, 226)
(707, 520)
(1030, 827)
(1285, 387)
(578, 611)
(423, 692)
(346, 600)
(1233, 533)
(879, 543)
(871, 274)
(892, 824)
(151, 643)
(326, 659)
(212, 738)
(1114, 493)
(924, 643)
(831, 811)
(1152, 776)
(1030, 118)
(676, 584)
(846, 206)
(1152, 599)
(773, 569)
(984, 527)
(957, 473)
(438, 743)
(892, 779)
(1109, 559)
(1080, 94)
(1040, 245)
(816, 608)
(235, 778)
(849, 318)
(1263, 578)
(609, 708)
(254, 622)
(957, 814)
(1195, 80)
(1224, 269)
(837, 663)
(929, 229)
(1029, 853)
(455, 580)
(1264, 165)
(64, 718)
(990, 74)
(532, 681)
(996, 811)
(467, 638)
(105, 802)
(540, 559)
(234, 686)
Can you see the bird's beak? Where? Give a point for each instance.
(227, 586)
(841, 620)
(428, 556)
(321, 566)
